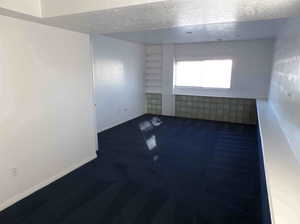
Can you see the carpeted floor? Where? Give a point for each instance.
(182, 171)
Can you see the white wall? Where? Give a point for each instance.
(31, 7)
(285, 84)
(279, 121)
(47, 119)
(252, 64)
(281, 168)
(153, 68)
(119, 81)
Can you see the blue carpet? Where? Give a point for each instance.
(182, 171)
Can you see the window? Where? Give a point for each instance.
(203, 74)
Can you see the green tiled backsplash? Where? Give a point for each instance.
(153, 103)
(216, 108)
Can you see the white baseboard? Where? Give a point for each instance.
(39, 186)
(118, 123)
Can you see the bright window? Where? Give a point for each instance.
(205, 74)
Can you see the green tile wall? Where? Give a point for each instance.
(153, 103)
(216, 108)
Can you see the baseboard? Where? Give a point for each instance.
(39, 186)
(118, 123)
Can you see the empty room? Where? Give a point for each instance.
(149, 112)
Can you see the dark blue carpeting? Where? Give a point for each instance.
(183, 171)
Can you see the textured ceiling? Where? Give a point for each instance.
(168, 14)
(266, 29)
(29, 7)
(174, 13)
(53, 8)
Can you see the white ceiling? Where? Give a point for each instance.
(266, 29)
(112, 16)
(53, 8)
(176, 13)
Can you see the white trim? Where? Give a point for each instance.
(168, 99)
(225, 93)
(43, 184)
(119, 123)
(93, 72)
(155, 90)
(259, 117)
(40, 15)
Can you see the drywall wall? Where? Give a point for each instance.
(47, 118)
(285, 84)
(119, 80)
(282, 168)
(252, 65)
(30, 7)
